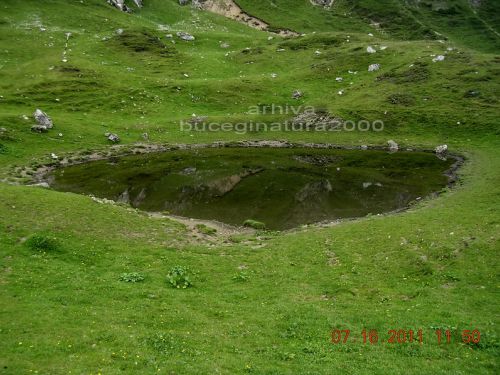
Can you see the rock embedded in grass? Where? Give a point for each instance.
(43, 119)
(297, 94)
(185, 36)
(373, 67)
(114, 138)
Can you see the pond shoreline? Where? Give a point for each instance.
(40, 174)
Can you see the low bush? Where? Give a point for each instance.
(43, 243)
(178, 277)
(132, 277)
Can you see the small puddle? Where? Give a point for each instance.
(283, 188)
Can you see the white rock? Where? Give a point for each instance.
(370, 49)
(42, 119)
(373, 67)
(442, 149)
(393, 146)
(438, 58)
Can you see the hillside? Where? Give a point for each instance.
(262, 302)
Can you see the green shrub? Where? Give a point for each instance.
(178, 277)
(132, 277)
(254, 224)
(44, 243)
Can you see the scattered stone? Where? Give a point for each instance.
(42, 119)
(297, 94)
(438, 58)
(274, 75)
(383, 48)
(119, 31)
(370, 49)
(188, 170)
(183, 2)
(317, 52)
(393, 146)
(339, 79)
(112, 137)
(316, 121)
(373, 67)
(145, 136)
(364, 147)
(185, 36)
(472, 94)
(224, 45)
(169, 36)
(54, 156)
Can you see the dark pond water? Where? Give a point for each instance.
(284, 188)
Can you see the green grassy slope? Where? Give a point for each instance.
(433, 266)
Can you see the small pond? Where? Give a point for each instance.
(282, 187)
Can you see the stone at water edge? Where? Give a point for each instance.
(441, 150)
(393, 146)
(42, 119)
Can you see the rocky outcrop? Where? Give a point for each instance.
(230, 9)
(322, 3)
(120, 5)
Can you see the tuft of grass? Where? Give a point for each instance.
(43, 243)
(254, 224)
(132, 277)
(179, 278)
